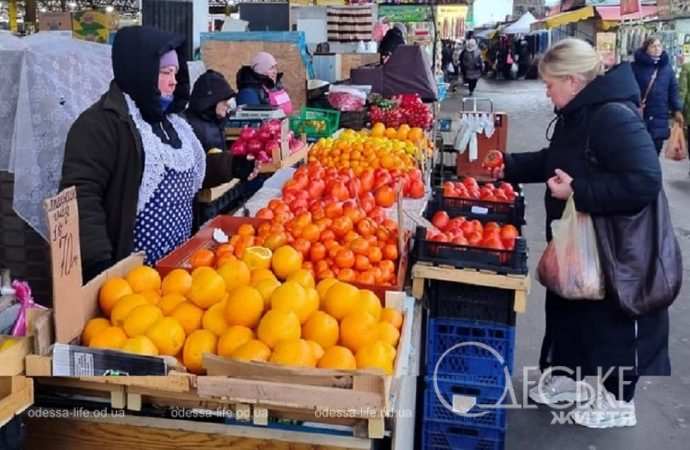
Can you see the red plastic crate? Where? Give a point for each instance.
(179, 258)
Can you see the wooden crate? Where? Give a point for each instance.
(518, 283)
(12, 358)
(16, 395)
(149, 433)
(284, 160)
(257, 391)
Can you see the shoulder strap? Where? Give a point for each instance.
(650, 86)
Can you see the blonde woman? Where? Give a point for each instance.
(596, 110)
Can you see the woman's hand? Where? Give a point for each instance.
(559, 185)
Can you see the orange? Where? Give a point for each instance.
(278, 326)
(293, 352)
(233, 338)
(415, 134)
(92, 327)
(126, 305)
(198, 343)
(375, 356)
(245, 307)
(392, 316)
(141, 345)
(214, 319)
(253, 350)
(378, 130)
(202, 258)
(257, 258)
(276, 240)
(169, 302)
(324, 285)
(266, 288)
(291, 296)
(246, 230)
(168, 336)
(338, 358)
(303, 277)
(111, 291)
(357, 330)
(316, 349)
(178, 281)
(322, 329)
(285, 261)
(153, 296)
(110, 338)
(340, 300)
(235, 274)
(208, 288)
(313, 302)
(189, 316)
(403, 131)
(369, 302)
(144, 278)
(224, 259)
(387, 333)
(261, 274)
(141, 319)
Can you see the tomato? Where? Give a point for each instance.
(317, 252)
(347, 275)
(366, 227)
(290, 187)
(384, 179)
(492, 242)
(274, 203)
(339, 192)
(493, 159)
(470, 183)
(449, 190)
(507, 188)
(455, 224)
(417, 189)
(385, 196)
(354, 187)
(374, 254)
(311, 232)
(440, 220)
(327, 235)
(316, 189)
(367, 180)
(298, 204)
(467, 227)
(345, 258)
(377, 214)
(264, 213)
(459, 240)
(334, 210)
(362, 263)
(366, 277)
(491, 226)
(478, 226)
(501, 196)
(367, 201)
(475, 238)
(390, 252)
(359, 246)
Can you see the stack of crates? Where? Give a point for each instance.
(469, 355)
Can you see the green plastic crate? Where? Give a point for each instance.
(315, 123)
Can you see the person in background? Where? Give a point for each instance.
(457, 64)
(595, 111)
(447, 60)
(135, 162)
(207, 114)
(394, 38)
(659, 90)
(472, 64)
(684, 92)
(260, 83)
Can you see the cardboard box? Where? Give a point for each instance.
(12, 358)
(55, 21)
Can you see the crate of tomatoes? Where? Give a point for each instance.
(463, 242)
(491, 201)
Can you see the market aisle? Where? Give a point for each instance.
(663, 404)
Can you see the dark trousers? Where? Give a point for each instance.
(625, 392)
(658, 144)
(473, 85)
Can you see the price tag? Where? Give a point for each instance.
(480, 210)
(65, 258)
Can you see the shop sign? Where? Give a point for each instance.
(450, 21)
(405, 13)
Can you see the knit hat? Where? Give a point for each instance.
(262, 62)
(169, 59)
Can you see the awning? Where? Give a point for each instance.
(613, 13)
(567, 17)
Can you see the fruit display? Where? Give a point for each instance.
(262, 142)
(272, 312)
(402, 109)
(469, 189)
(472, 233)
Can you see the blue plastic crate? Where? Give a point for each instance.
(446, 436)
(468, 358)
(437, 411)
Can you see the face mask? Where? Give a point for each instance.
(166, 101)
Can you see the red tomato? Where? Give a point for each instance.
(440, 220)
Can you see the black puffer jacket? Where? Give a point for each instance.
(252, 86)
(104, 158)
(392, 40)
(592, 334)
(209, 89)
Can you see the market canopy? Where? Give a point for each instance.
(565, 18)
(522, 25)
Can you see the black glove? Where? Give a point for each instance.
(242, 167)
(219, 169)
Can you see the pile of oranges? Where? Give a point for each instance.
(272, 312)
(360, 151)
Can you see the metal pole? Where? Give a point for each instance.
(13, 15)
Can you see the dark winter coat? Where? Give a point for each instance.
(209, 89)
(472, 64)
(591, 334)
(664, 96)
(252, 86)
(104, 158)
(393, 39)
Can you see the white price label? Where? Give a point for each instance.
(480, 210)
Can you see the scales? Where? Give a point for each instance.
(258, 112)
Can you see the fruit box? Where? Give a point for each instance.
(512, 213)
(12, 358)
(401, 273)
(179, 258)
(16, 395)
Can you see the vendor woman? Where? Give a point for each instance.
(135, 162)
(259, 83)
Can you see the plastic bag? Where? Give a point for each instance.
(676, 147)
(570, 265)
(344, 98)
